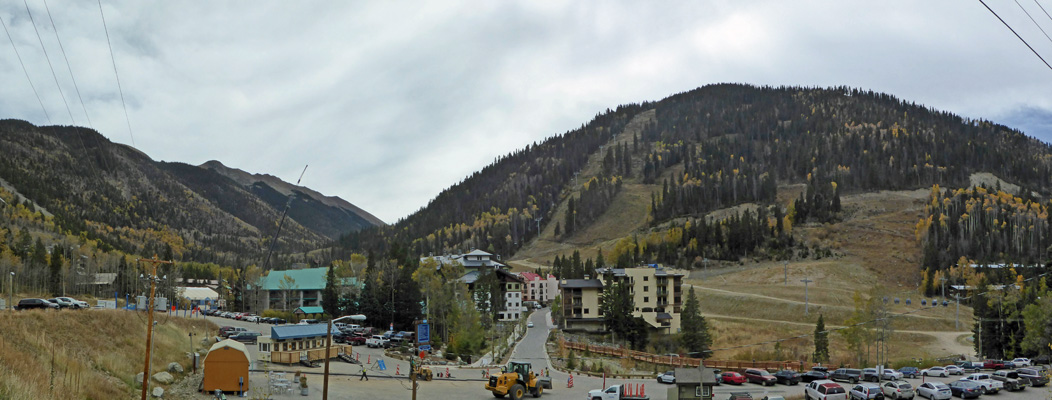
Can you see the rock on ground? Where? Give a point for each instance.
(174, 367)
(164, 378)
(157, 392)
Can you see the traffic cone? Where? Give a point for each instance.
(398, 369)
(643, 390)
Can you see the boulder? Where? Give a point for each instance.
(138, 378)
(174, 367)
(164, 378)
(157, 392)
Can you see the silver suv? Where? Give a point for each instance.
(898, 390)
(866, 391)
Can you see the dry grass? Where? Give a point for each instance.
(91, 354)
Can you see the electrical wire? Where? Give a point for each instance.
(76, 130)
(115, 74)
(1043, 9)
(1016, 34)
(19, 56)
(68, 66)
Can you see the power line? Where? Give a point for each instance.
(114, 61)
(1043, 9)
(48, 58)
(15, 48)
(1016, 34)
(76, 130)
(68, 66)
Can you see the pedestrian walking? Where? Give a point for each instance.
(364, 376)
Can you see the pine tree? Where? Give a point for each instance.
(55, 273)
(694, 330)
(821, 354)
(330, 295)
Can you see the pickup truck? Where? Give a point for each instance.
(1033, 376)
(377, 341)
(616, 392)
(986, 384)
(1011, 380)
(824, 390)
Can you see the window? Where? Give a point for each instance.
(646, 279)
(646, 288)
(586, 311)
(646, 299)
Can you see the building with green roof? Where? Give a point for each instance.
(293, 288)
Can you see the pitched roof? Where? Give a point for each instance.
(663, 316)
(478, 252)
(199, 293)
(233, 344)
(310, 310)
(284, 332)
(581, 283)
(303, 279)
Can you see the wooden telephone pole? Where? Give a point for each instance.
(149, 323)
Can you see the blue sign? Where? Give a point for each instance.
(383, 366)
(423, 333)
(425, 347)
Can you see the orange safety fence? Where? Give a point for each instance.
(727, 365)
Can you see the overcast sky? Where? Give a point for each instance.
(391, 102)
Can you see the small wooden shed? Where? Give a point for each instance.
(226, 367)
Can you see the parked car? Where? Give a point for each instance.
(993, 364)
(74, 303)
(889, 374)
(732, 377)
(824, 390)
(760, 376)
(278, 321)
(529, 324)
(935, 371)
(934, 391)
(965, 389)
(227, 331)
(788, 377)
(870, 374)
(1043, 359)
(1034, 377)
(898, 390)
(61, 303)
(1021, 362)
(30, 304)
(250, 318)
(954, 370)
(718, 375)
(246, 337)
(986, 385)
(740, 396)
(377, 341)
(866, 391)
(910, 372)
(667, 377)
(1010, 379)
(846, 375)
(814, 375)
(356, 340)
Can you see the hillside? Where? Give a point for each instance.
(789, 152)
(43, 362)
(119, 196)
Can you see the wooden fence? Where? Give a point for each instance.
(673, 361)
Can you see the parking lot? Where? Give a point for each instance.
(467, 383)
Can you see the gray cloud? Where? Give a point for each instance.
(390, 102)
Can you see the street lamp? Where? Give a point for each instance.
(328, 345)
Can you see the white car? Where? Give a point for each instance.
(250, 318)
(529, 324)
(935, 371)
(668, 377)
(934, 391)
(891, 375)
(1021, 362)
(77, 304)
(954, 370)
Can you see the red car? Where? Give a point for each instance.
(356, 340)
(733, 377)
(994, 364)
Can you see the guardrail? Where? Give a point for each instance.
(674, 361)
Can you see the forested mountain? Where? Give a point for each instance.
(712, 148)
(119, 196)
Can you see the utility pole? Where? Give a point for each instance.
(805, 281)
(538, 219)
(149, 324)
(785, 264)
(957, 315)
(11, 290)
